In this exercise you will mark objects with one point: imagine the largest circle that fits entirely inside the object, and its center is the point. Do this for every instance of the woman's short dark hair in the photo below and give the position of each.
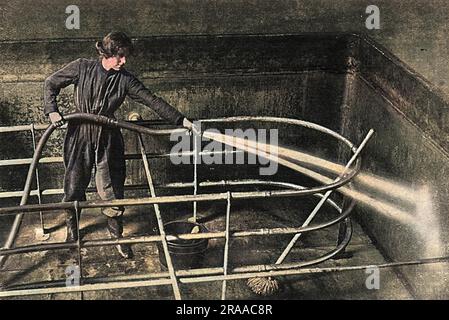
(115, 44)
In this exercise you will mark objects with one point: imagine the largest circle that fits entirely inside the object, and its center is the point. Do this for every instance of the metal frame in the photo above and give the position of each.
(171, 269)
(185, 276)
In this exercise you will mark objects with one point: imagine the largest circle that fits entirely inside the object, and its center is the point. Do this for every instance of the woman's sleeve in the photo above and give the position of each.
(58, 80)
(137, 91)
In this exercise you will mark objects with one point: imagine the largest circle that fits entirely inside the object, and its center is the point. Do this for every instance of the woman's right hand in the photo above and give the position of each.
(57, 119)
(186, 123)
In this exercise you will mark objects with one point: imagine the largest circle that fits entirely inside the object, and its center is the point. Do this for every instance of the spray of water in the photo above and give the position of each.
(427, 223)
(369, 181)
(422, 218)
(282, 154)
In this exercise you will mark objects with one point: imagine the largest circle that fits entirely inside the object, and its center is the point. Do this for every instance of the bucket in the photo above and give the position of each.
(185, 253)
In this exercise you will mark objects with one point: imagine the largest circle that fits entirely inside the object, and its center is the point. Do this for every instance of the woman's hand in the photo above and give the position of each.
(57, 119)
(191, 126)
(186, 123)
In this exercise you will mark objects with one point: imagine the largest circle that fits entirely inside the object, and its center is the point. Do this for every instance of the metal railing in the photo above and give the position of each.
(176, 276)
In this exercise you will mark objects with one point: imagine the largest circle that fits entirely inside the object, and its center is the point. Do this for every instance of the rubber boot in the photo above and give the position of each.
(115, 228)
(72, 226)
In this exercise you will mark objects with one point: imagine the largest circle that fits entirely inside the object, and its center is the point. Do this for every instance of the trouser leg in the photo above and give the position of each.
(115, 228)
(78, 162)
(72, 225)
(110, 179)
(110, 170)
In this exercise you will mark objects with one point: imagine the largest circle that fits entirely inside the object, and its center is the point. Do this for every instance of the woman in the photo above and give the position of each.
(101, 86)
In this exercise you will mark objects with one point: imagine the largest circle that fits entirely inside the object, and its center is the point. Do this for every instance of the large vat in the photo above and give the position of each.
(345, 82)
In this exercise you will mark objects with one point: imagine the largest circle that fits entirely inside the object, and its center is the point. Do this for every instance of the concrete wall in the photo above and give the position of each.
(413, 183)
(416, 31)
(405, 166)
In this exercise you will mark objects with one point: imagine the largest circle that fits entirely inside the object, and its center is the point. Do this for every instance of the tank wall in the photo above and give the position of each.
(415, 31)
(405, 165)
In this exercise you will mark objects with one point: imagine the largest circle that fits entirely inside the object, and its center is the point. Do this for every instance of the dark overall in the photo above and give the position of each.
(88, 146)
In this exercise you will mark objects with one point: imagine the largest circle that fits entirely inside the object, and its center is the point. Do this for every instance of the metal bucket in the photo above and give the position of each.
(185, 254)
